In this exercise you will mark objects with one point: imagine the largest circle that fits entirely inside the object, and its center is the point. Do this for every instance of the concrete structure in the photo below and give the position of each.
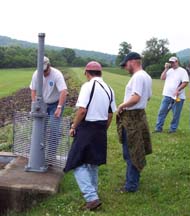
(19, 189)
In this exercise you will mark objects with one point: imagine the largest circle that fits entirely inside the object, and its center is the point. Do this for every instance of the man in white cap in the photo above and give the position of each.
(54, 95)
(96, 105)
(176, 79)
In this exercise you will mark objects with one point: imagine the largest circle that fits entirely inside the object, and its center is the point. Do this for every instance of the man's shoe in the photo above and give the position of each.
(92, 205)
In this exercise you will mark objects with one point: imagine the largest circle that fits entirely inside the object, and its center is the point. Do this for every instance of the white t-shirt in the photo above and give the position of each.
(52, 85)
(141, 84)
(98, 108)
(174, 77)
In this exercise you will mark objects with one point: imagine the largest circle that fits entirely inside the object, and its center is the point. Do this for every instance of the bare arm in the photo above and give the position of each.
(134, 99)
(62, 99)
(179, 88)
(110, 115)
(33, 95)
(163, 74)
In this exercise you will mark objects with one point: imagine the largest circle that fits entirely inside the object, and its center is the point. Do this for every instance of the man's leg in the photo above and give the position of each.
(84, 181)
(55, 131)
(176, 109)
(132, 174)
(93, 169)
(163, 111)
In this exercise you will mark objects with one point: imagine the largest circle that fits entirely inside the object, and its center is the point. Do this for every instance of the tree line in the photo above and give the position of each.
(154, 55)
(18, 57)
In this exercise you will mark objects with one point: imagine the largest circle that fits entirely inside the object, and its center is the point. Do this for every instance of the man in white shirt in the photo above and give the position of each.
(176, 79)
(54, 93)
(132, 125)
(96, 104)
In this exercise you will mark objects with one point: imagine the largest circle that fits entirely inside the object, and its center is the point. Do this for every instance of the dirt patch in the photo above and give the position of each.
(21, 101)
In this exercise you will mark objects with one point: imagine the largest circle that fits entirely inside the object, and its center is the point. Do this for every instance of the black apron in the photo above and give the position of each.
(90, 142)
(89, 145)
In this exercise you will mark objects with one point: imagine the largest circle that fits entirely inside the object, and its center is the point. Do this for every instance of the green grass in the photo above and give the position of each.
(13, 79)
(165, 181)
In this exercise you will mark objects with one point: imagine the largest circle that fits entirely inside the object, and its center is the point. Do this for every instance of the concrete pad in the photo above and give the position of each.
(20, 190)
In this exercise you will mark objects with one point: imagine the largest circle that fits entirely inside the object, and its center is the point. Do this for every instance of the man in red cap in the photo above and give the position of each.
(96, 105)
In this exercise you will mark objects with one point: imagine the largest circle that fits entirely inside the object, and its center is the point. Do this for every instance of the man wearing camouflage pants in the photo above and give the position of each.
(132, 125)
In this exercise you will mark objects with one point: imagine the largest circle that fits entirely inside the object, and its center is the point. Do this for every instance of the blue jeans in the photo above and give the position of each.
(132, 174)
(54, 132)
(86, 176)
(168, 104)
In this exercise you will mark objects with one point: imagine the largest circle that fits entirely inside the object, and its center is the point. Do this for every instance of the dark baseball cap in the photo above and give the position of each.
(130, 56)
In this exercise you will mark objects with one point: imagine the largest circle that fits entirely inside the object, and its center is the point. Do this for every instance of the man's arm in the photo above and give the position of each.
(33, 95)
(81, 112)
(134, 99)
(179, 88)
(62, 99)
(163, 74)
(110, 115)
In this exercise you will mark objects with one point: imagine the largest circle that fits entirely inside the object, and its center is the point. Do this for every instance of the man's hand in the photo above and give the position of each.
(72, 132)
(167, 65)
(120, 109)
(176, 94)
(57, 113)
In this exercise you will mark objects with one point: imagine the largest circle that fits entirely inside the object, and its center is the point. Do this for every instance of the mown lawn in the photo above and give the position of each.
(165, 181)
(13, 79)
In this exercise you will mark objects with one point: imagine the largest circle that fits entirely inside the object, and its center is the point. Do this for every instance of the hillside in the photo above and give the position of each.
(184, 55)
(7, 41)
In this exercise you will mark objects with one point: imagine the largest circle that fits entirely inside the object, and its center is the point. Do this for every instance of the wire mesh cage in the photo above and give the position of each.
(56, 138)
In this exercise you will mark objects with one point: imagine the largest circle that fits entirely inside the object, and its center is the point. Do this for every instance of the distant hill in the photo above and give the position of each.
(7, 41)
(184, 55)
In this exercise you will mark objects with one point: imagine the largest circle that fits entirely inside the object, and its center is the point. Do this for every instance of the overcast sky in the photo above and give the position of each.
(99, 25)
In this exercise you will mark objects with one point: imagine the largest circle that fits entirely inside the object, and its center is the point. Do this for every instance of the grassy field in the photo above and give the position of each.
(13, 79)
(165, 181)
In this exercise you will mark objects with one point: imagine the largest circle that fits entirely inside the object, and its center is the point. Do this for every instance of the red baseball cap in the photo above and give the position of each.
(93, 66)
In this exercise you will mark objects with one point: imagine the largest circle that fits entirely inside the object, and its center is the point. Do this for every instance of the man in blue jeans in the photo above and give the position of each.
(132, 125)
(54, 96)
(132, 173)
(176, 79)
(96, 105)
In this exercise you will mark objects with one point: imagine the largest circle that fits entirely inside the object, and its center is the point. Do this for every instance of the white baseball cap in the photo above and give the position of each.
(173, 59)
(46, 62)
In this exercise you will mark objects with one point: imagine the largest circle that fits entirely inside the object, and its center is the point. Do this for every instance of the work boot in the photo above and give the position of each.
(92, 205)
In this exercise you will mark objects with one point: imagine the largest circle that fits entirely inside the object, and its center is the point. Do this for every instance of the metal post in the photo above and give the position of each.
(36, 161)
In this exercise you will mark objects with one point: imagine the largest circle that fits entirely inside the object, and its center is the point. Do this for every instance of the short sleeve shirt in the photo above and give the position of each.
(53, 84)
(174, 78)
(140, 84)
(99, 105)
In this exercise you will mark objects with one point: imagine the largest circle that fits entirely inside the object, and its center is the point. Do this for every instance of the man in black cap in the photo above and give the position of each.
(132, 125)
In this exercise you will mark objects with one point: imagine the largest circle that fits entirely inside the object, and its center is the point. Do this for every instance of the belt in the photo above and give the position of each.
(56, 102)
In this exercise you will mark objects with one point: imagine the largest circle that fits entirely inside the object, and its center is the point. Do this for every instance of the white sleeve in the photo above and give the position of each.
(137, 86)
(113, 104)
(84, 96)
(33, 84)
(185, 77)
(60, 82)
